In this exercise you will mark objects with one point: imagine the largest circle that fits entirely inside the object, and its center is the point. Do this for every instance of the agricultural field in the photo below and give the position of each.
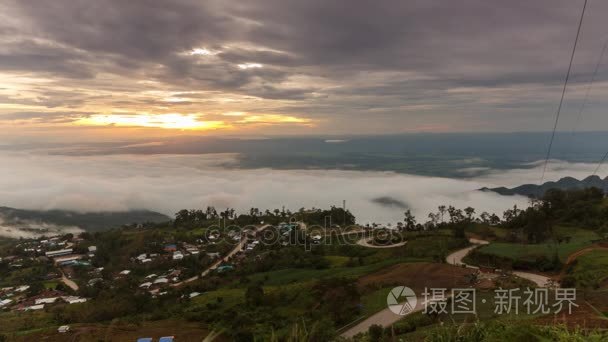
(591, 269)
(579, 238)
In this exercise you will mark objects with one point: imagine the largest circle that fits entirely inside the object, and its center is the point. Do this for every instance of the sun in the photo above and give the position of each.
(168, 121)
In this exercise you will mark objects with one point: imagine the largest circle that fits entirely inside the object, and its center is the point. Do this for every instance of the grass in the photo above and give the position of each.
(229, 297)
(580, 238)
(337, 260)
(294, 275)
(21, 322)
(375, 301)
(591, 268)
(50, 285)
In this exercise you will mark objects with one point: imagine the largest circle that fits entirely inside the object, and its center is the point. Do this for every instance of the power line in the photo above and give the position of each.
(600, 163)
(597, 67)
(561, 101)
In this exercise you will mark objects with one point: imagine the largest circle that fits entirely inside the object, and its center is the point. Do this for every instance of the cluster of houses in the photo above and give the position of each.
(15, 298)
(172, 251)
(155, 283)
(67, 253)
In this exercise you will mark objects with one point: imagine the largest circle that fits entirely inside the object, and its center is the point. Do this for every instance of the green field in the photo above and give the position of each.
(580, 238)
(337, 260)
(375, 301)
(591, 269)
(294, 275)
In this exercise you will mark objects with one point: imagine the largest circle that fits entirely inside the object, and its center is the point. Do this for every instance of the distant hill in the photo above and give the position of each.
(91, 221)
(566, 183)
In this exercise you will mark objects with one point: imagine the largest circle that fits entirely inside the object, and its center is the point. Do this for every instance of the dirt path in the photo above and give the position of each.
(572, 257)
(68, 282)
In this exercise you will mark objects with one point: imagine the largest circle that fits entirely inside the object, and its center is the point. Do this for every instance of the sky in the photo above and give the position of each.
(103, 70)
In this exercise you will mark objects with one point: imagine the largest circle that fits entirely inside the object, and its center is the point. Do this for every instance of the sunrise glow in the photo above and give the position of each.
(169, 121)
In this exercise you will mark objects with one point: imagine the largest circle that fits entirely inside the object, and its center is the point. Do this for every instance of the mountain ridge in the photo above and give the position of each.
(89, 221)
(565, 183)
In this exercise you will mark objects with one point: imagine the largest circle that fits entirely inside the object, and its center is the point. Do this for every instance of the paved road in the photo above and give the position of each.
(365, 242)
(383, 318)
(456, 259)
(215, 265)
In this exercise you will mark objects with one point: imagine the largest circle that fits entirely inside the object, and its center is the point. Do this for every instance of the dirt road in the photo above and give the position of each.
(68, 282)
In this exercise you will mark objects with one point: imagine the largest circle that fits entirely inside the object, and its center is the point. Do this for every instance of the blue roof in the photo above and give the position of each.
(144, 339)
(166, 339)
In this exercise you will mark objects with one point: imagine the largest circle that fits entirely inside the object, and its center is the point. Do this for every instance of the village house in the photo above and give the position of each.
(60, 252)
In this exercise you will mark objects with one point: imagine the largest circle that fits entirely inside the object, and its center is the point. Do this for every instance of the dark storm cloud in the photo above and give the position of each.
(347, 56)
(145, 30)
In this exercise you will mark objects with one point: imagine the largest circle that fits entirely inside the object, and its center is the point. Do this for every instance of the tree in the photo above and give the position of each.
(455, 214)
(485, 217)
(255, 294)
(511, 214)
(339, 297)
(375, 332)
(442, 210)
(181, 217)
(409, 220)
(469, 211)
(211, 213)
(434, 218)
(494, 219)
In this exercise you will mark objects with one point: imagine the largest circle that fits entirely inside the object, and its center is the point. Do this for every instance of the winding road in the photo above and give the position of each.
(456, 259)
(366, 242)
(386, 317)
(383, 318)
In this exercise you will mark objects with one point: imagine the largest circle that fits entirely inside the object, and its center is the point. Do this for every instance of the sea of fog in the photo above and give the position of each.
(170, 182)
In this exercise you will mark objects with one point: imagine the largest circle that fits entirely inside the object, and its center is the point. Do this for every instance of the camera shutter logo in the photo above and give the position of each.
(401, 300)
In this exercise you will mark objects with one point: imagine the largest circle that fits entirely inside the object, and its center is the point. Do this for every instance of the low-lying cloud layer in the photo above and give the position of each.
(31, 229)
(167, 183)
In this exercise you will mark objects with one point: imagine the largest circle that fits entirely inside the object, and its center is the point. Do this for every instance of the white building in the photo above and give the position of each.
(50, 300)
(161, 281)
(177, 255)
(34, 307)
(74, 299)
(60, 252)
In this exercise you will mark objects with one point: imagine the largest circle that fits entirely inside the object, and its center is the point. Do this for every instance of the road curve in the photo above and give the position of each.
(456, 259)
(365, 242)
(383, 318)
